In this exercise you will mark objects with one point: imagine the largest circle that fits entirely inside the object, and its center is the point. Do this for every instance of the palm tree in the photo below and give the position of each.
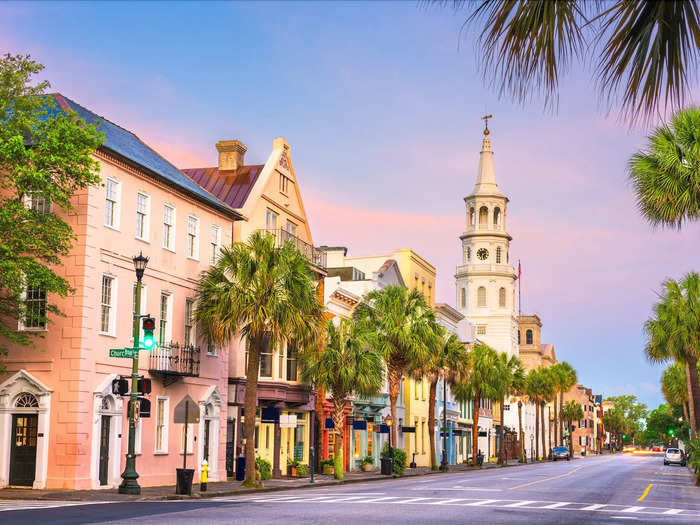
(566, 378)
(571, 411)
(666, 175)
(345, 365)
(518, 389)
(548, 381)
(672, 333)
(447, 360)
(265, 294)
(485, 378)
(532, 390)
(510, 366)
(401, 325)
(644, 52)
(674, 387)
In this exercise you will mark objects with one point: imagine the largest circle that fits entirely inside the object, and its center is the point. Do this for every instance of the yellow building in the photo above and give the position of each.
(417, 439)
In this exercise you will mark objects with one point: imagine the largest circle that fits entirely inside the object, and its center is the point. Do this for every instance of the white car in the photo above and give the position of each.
(674, 455)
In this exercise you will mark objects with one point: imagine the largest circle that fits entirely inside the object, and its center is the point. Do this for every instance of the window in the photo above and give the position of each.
(471, 217)
(37, 203)
(481, 296)
(291, 361)
(164, 327)
(266, 354)
(270, 220)
(528, 337)
(107, 305)
(481, 329)
(498, 255)
(193, 237)
(214, 244)
(189, 322)
(502, 297)
(284, 183)
(35, 308)
(162, 425)
(169, 227)
(143, 209)
(112, 200)
(291, 228)
(357, 275)
(463, 297)
(497, 218)
(137, 445)
(469, 253)
(483, 217)
(518, 336)
(415, 387)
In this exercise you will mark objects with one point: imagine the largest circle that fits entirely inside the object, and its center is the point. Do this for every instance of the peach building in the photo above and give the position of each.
(269, 196)
(60, 424)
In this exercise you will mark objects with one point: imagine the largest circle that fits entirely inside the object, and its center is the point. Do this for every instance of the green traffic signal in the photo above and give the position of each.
(149, 325)
(624, 436)
(671, 431)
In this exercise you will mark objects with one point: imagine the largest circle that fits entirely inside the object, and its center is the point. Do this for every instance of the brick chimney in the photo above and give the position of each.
(231, 154)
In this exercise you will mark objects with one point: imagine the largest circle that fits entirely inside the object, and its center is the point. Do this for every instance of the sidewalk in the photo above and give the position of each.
(227, 488)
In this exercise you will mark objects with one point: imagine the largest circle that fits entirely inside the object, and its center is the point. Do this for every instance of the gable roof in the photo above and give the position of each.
(231, 186)
(133, 151)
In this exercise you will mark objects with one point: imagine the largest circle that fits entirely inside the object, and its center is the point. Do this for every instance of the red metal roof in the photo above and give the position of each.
(229, 186)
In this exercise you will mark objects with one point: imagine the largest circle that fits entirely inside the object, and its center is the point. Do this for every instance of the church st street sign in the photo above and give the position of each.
(123, 352)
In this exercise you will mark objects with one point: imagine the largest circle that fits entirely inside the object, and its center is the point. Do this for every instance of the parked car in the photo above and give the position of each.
(560, 453)
(674, 455)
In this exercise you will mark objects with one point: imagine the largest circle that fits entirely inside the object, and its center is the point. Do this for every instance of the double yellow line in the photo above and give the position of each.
(646, 491)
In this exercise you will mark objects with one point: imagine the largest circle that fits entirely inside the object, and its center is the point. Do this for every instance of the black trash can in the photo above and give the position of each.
(387, 467)
(240, 468)
(184, 481)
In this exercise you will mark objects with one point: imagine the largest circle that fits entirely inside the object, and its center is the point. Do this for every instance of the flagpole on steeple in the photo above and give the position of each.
(520, 289)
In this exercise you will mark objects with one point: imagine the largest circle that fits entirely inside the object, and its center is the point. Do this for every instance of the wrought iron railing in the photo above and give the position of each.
(175, 359)
(316, 256)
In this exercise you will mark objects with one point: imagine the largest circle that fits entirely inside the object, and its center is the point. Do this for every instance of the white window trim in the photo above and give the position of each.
(20, 322)
(165, 427)
(118, 205)
(195, 255)
(173, 227)
(147, 222)
(113, 309)
(169, 320)
(139, 432)
(215, 228)
(28, 201)
(190, 440)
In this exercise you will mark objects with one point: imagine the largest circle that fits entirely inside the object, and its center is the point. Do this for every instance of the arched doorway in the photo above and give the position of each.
(106, 436)
(210, 414)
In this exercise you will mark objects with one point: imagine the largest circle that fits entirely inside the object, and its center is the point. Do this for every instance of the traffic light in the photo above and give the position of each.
(120, 386)
(624, 436)
(143, 385)
(671, 431)
(144, 407)
(148, 325)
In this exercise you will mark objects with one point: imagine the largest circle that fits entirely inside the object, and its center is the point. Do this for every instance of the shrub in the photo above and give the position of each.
(368, 460)
(399, 463)
(302, 470)
(294, 463)
(263, 466)
(327, 462)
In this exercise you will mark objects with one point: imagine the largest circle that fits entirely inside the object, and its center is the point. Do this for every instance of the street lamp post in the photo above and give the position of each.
(443, 462)
(129, 484)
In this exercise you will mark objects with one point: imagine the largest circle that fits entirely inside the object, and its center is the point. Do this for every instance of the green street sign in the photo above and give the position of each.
(123, 352)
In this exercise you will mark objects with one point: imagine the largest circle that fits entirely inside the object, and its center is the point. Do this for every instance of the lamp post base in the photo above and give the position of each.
(129, 485)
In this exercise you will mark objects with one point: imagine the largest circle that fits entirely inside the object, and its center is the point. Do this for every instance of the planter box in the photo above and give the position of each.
(367, 467)
(329, 470)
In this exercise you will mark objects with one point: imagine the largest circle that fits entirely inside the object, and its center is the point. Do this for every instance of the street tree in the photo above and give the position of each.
(346, 365)
(643, 53)
(548, 385)
(46, 158)
(675, 387)
(615, 422)
(673, 333)
(662, 424)
(448, 360)
(519, 390)
(485, 378)
(266, 295)
(666, 174)
(401, 325)
(569, 413)
(510, 367)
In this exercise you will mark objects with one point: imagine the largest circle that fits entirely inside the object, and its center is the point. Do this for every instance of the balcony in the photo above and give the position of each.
(316, 256)
(173, 361)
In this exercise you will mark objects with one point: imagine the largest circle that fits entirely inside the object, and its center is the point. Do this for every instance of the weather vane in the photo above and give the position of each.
(486, 118)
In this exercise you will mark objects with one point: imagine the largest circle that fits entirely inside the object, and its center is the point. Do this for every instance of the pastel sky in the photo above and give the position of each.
(381, 103)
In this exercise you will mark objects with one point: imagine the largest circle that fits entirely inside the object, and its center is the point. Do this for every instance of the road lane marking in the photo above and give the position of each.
(372, 500)
(409, 500)
(673, 511)
(446, 501)
(555, 505)
(457, 488)
(522, 485)
(520, 503)
(632, 509)
(646, 491)
(482, 502)
(593, 507)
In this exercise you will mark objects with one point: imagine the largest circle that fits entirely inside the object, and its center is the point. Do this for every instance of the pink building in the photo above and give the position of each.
(60, 424)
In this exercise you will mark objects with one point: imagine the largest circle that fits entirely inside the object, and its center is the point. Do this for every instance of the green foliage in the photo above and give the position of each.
(327, 462)
(400, 457)
(643, 53)
(674, 384)
(292, 462)
(692, 447)
(263, 466)
(666, 175)
(571, 412)
(485, 380)
(302, 470)
(48, 155)
(632, 411)
(368, 460)
(661, 422)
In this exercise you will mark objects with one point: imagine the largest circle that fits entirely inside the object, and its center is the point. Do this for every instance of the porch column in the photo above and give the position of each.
(276, 473)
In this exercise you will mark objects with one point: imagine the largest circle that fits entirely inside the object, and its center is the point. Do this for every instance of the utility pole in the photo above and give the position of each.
(129, 484)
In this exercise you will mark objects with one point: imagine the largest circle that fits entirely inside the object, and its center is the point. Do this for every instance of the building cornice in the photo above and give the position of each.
(488, 233)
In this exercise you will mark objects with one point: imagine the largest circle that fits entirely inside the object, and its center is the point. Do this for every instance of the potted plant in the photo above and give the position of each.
(367, 463)
(292, 466)
(302, 470)
(328, 467)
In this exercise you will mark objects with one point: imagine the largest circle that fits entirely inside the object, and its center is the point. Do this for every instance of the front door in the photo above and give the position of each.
(104, 449)
(206, 439)
(23, 451)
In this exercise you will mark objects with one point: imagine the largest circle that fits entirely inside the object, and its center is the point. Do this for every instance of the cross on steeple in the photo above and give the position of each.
(486, 118)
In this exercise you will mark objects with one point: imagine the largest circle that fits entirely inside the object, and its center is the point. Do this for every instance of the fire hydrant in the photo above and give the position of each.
(203, 478)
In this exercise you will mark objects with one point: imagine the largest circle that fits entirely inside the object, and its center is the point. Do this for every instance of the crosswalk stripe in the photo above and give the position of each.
(482, 502)
(409, 500)
(519, 503)
(372, 500)
(632, 509)
(556, 505)
(673, 511)
(593, 507)
(446, 501)
(343, 498)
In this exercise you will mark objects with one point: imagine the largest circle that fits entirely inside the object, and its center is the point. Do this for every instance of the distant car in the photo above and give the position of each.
(674, 455)
(629, 448)
(560, 453)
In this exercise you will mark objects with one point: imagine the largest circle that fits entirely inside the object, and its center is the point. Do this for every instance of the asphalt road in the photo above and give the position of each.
(604, 489)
